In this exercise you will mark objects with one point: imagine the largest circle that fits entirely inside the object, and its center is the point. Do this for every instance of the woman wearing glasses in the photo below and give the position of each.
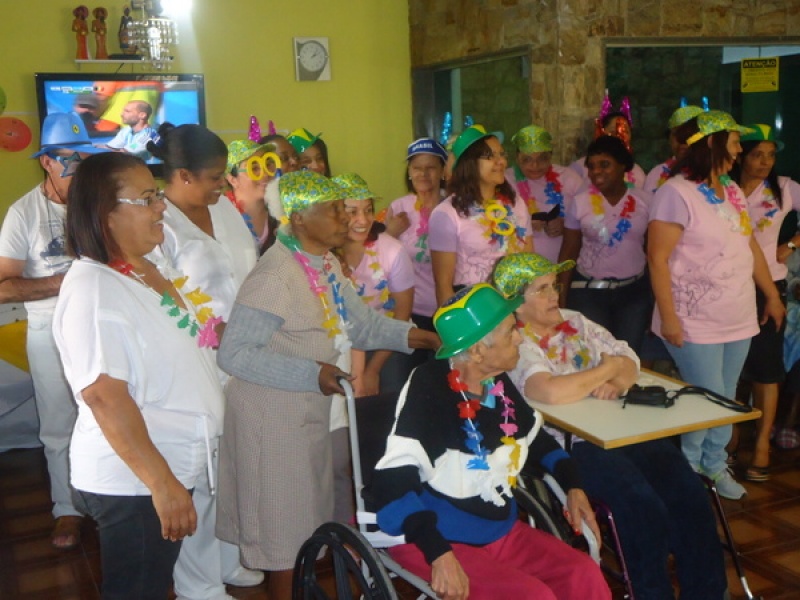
(661, 506)
(137, 358)
(481, 221)
(207, 241)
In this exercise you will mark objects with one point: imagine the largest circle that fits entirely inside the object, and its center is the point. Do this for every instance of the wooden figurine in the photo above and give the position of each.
(100, 30)
(81, 29)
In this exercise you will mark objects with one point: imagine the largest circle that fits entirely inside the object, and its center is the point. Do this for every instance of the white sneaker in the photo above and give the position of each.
(728, 487)
(244, 577)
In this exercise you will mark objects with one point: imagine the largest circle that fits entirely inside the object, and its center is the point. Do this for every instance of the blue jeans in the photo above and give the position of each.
(660, 507)
(137, 562)
(624, 311)
(716, 367)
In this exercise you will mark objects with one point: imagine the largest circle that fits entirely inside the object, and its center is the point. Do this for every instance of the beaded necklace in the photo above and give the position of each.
(423, 255)
(666, 169)
(742, 224)
(379, 282)
(202, 325)
(500, 225)
(564, 347)
(335, 324)
(769, 205)
(624, 223)
(468, 410)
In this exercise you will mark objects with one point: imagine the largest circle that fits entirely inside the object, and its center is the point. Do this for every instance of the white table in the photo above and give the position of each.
(606, 424)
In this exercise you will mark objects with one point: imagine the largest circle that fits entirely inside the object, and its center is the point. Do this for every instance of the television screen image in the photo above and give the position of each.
(123, 111)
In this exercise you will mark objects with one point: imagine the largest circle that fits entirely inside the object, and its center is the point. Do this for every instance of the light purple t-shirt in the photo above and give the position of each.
(606, 252)
(476, 251)
(534, 193)
(415, 242)
(658, 176)
(395, 271)
(767, 217)
(635, 176)
(711, 267)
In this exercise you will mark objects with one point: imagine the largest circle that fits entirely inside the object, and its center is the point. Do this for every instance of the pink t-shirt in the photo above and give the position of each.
(767, 217)
(658, 175)
(415, 242)
(711, 267)
(540, 196)
(384, 265)
(469, 237)
(636, 174)
(607, 249)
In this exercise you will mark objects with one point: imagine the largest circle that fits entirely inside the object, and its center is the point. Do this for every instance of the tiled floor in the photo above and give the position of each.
(766, 525)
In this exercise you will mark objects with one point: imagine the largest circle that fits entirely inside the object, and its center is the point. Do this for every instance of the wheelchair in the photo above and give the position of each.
(362, 566)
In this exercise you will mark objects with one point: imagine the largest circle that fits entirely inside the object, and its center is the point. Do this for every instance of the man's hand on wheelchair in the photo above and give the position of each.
(579, 509)
(448, 579)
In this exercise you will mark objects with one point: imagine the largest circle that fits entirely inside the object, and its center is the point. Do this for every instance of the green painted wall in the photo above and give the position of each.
(244, 49)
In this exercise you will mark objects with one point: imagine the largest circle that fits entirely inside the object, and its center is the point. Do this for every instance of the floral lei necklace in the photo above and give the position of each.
(564, 347)
(624, 223)
(500, 225)
(380, 283)
(468, 410)
(630, 180)
(202, 325)
(248, 220)
(769, 205)
(423, 256)
(552, 191)
(732, 192)
(666, 169)
(335, 324)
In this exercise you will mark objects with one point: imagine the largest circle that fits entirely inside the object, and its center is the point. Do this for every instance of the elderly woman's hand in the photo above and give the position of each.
(329, 379)
(448, 578)
(175, 510)
(578, 510)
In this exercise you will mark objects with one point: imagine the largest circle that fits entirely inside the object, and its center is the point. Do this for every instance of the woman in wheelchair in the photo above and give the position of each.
(461, 436)
(661, 505)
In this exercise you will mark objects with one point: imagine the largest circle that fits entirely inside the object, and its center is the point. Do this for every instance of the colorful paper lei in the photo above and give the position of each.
(500, 225)
(769, 205)
(423, 255)
(666, 169)
(335, 324)
(379, 281)
(732, 193)
(202, 325)
(468, 410)
(552, 191)
(564, 347)
(623, 225)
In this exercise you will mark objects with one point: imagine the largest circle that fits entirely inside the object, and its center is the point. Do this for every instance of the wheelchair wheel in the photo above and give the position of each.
(357, 569)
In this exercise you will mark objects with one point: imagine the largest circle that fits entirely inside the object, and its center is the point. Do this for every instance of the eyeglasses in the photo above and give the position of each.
(157, 197)
(494, 155)
(541, 292)
(70, 163)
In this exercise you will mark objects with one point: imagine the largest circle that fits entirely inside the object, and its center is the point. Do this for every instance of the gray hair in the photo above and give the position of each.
(463, 356)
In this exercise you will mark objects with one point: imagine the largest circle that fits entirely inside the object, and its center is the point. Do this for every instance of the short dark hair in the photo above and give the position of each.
(614, 147)
(613, 115)
(191, 147)
(700, 159)
(465, 180)
(91, 198)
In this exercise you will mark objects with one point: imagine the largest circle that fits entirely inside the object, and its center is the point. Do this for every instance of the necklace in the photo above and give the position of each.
(564, 347)
(248, 220)
(468, 410)
(335, 324)
(500, 225)
(630, 180)
(423, 255)
(769, 205)
(742, 224)
(379, 282)
(202, 325)
(552, 191)
(623, 225)
(666, 169)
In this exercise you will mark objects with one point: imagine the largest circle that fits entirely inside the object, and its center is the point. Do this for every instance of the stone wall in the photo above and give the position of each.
(567, 42)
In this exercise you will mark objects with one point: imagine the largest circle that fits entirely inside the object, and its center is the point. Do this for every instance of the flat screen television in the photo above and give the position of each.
(99, 99)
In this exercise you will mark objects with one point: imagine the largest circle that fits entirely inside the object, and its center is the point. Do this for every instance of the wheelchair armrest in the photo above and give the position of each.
(591, 539)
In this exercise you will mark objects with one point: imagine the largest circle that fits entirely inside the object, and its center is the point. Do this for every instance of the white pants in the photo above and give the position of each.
(56, 407)
(204, 560)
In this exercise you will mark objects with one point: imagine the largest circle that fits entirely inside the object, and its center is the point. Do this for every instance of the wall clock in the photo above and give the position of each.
(311, 59)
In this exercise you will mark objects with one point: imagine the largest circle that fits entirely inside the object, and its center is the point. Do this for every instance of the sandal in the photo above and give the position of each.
(67, 532)
(757, 474)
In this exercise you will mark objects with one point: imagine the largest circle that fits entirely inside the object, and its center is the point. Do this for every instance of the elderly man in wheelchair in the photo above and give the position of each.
(461, 436)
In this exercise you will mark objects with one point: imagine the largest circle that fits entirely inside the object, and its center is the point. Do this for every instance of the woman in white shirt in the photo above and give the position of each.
(137, 358)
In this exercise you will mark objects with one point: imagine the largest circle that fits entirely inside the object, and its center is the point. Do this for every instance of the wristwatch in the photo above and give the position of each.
(792, 246)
